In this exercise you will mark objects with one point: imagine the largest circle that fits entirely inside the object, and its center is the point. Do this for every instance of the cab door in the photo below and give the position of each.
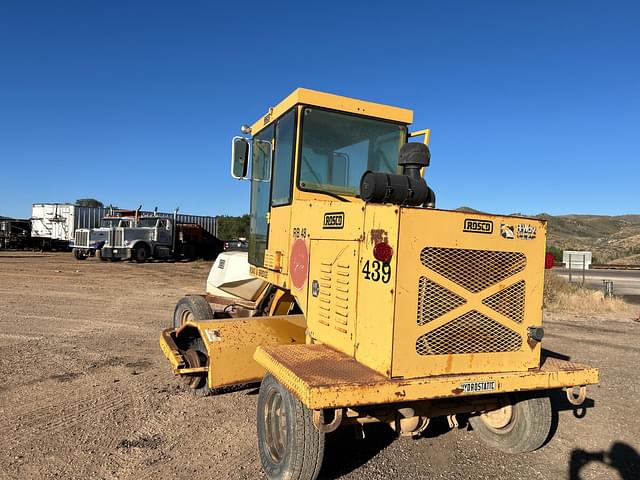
(163, 231)
(272, 158)
(277, 254)
(261, 160)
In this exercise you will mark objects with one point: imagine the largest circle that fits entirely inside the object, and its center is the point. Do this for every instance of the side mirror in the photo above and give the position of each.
(239, 157)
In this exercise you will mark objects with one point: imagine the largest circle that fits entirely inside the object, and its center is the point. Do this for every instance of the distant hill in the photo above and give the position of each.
(611, 239)
(468, 210)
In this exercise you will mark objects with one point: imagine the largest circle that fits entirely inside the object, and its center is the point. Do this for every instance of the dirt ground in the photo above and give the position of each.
(86, 393)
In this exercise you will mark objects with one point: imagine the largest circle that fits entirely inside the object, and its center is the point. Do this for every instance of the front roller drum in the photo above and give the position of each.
(289, 445)
(194, 359)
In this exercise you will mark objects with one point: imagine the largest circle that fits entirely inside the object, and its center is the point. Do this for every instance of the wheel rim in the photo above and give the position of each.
(185, 316)
(501, 419)
(275, 426)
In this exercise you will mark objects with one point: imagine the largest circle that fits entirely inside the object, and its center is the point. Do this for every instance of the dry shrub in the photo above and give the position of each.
(560, 295)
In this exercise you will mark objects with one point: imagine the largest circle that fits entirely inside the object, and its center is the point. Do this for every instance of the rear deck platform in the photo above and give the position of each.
(325, 378)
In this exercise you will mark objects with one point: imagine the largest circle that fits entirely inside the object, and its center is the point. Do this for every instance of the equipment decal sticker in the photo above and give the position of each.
(526, 232)
(212, 335)
(299, 263)
(473, 225)
(507, 231)
(482, 386)
(333, 220)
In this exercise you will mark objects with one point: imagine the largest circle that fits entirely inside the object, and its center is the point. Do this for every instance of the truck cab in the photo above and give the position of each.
(88, 242)
(158, 237)
(149, 237)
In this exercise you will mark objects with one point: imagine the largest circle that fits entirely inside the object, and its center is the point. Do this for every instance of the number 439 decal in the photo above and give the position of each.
(376, 271)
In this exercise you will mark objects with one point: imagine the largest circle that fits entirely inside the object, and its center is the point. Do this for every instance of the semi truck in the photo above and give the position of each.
(88, 242)
(159, 237)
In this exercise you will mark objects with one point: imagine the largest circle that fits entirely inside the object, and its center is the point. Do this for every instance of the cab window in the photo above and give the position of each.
(337, 148)
(283, 160)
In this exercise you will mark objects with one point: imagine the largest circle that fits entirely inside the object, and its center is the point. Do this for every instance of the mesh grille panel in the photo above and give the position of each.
(475, 270)
(472, 332)
(509, 302)
(435, 300)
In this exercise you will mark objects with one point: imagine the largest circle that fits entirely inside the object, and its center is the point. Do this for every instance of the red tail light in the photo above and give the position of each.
(383, 252)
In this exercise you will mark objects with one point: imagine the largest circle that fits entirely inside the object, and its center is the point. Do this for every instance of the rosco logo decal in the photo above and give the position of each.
(482, 386)
(333, 220)
(473, 225)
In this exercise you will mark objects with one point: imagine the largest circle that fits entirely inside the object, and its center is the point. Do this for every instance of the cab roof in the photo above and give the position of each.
(304, 96)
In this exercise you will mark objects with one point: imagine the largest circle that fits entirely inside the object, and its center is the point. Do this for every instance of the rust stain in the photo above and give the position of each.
(447, 368)
(378, 235)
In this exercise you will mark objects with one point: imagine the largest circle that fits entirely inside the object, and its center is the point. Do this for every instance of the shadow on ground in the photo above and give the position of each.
(344, 452)
(620, 456)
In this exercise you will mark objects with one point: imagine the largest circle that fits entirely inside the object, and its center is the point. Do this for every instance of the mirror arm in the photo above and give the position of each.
(426, 132)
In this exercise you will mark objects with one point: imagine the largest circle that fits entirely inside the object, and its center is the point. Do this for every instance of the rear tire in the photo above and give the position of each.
(141, 253)
(525, 429)
(78, 255)
(290, 447)
(191, 308)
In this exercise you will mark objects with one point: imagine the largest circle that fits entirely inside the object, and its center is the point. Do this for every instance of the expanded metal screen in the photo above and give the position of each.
(475, 270)
(434, 301)
(509, 302)
(470, 331)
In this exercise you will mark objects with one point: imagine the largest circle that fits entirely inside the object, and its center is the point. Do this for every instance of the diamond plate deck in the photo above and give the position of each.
(324, 378)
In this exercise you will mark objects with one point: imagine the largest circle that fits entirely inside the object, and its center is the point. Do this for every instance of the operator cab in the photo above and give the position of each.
(315, 146)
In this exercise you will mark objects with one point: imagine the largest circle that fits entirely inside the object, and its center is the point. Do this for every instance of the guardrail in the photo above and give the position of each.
(602, 266)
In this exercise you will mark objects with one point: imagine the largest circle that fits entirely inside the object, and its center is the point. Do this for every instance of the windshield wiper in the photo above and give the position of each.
(335, 195)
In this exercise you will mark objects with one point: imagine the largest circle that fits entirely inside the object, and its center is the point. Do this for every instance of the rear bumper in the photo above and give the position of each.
(324, 378)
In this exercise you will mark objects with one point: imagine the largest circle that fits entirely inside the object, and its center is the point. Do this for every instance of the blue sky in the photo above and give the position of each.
(534, 106)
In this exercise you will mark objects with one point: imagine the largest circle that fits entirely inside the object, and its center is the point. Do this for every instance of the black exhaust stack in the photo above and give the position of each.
(407, 189)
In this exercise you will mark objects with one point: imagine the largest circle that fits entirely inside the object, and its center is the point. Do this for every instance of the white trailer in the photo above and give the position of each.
(56, 223)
